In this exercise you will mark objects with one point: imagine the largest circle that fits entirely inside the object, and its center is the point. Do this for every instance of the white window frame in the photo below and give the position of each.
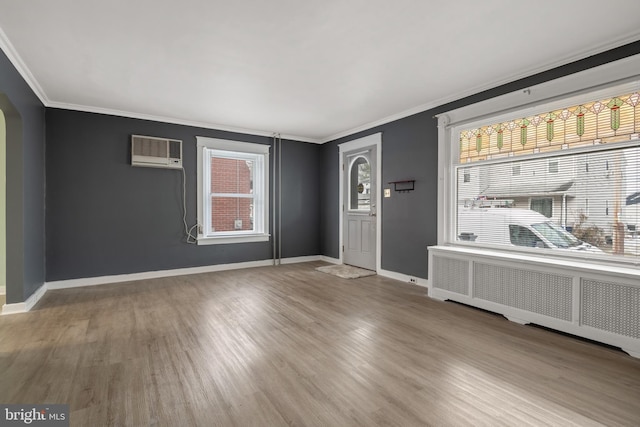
(606, 80)
(259, 154)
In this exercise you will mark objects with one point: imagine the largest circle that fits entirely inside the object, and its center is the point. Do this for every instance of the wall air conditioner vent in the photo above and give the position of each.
(155, 152)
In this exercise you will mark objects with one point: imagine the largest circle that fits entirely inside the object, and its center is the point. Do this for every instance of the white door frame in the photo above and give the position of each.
(374, 140)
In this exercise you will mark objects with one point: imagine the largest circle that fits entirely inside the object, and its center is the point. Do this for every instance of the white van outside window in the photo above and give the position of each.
(516, 227)
(573, 163)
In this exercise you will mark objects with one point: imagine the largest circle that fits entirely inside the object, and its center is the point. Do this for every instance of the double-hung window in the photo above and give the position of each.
(559, 178)
(233, 191)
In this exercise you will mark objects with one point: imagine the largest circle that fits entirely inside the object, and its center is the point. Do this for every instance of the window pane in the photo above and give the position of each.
(231, 214)
(610, 120)
(467, 175)
(231, 176)
(360, 185)
(233, 194)
(568, 206)
(543, 206)
(522, 236)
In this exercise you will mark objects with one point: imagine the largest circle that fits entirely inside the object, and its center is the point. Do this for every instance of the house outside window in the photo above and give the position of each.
(584, 157)
(233, 191)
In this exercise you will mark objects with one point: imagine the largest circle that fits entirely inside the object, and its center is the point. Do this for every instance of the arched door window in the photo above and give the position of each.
(360, 184)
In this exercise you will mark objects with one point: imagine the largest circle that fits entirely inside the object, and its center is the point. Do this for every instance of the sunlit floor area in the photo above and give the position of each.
(289, 345)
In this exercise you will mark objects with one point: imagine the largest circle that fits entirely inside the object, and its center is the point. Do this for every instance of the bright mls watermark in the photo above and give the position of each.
(34, 415)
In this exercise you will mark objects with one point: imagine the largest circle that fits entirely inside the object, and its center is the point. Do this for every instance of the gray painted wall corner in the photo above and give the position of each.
(25, 115)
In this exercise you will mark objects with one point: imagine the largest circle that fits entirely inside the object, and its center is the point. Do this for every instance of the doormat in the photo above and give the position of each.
(345, 271)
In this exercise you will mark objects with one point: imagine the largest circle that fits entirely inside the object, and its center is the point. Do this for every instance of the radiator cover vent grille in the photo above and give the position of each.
(543, 293)
(611, 307)
(451, 274)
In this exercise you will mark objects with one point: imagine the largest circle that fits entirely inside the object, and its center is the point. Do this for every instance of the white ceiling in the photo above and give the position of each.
(312, 70)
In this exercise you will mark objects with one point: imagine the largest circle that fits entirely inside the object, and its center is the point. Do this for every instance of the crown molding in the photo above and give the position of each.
(172, 120)
(25, 73)
(593, 50)
(23, 70)
(21, 67)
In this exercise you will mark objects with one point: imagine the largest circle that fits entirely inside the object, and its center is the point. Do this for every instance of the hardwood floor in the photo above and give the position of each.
(288, 345)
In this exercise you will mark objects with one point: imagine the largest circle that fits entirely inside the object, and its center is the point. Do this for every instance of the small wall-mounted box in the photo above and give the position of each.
(404, 185)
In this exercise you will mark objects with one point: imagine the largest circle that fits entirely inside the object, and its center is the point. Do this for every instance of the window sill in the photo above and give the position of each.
(221, 240)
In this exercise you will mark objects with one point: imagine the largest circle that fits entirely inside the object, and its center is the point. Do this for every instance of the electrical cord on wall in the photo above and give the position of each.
(191, 239)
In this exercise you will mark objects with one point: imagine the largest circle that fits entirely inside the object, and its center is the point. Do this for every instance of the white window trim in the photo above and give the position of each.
(238, 148)
(606, 80)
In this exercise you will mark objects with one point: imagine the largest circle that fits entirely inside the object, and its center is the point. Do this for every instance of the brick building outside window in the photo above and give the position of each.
(231, 176)
(233, 191)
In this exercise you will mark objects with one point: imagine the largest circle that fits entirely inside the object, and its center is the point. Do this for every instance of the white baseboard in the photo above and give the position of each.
(18, 307)
(23, 307)
(404, 278)
(330, 260)
(35, 297)
(296, 260)
(119, 278)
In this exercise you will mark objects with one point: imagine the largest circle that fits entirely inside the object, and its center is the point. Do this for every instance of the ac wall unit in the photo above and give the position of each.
(155, 152)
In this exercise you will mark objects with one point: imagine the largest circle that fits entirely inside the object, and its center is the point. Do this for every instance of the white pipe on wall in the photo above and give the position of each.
(277, 199)
(273, 228)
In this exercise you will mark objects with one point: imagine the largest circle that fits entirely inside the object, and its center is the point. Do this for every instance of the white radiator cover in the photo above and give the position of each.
(596, 302)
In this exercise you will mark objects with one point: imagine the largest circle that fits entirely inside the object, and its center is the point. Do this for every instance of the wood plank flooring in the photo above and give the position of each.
(288, 345)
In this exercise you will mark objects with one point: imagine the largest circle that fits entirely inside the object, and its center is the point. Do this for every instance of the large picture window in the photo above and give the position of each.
(558, 179)
(233, 191)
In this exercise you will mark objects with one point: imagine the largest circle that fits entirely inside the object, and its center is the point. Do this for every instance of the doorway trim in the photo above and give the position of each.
(373, 140)
(3, 205)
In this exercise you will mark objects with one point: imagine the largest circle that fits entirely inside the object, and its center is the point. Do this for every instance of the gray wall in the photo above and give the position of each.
(105, 217)
(25, 118)
(407, 153)
(300, 202)
(410, 150)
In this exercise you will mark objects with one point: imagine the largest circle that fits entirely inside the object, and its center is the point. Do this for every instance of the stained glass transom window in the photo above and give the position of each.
(604, 121)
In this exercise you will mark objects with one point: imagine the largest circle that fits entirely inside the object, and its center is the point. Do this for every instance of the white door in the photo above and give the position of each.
(359, 208)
